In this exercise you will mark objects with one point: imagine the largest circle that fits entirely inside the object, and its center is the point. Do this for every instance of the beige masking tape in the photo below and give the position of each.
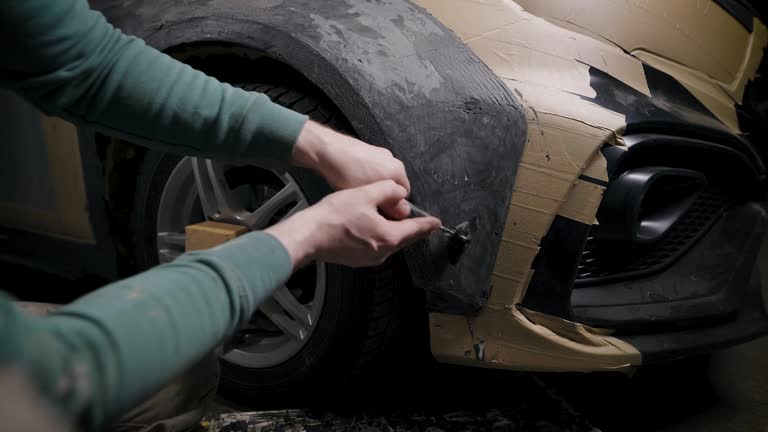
(583, 202)
(70, 220)
(547, 67)
(527, 345)
(680, 30)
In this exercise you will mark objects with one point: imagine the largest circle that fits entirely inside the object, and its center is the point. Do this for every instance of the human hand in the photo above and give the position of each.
(346, 228)
(346, 162)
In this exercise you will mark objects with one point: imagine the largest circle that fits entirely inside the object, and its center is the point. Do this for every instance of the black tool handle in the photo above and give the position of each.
(417, 212)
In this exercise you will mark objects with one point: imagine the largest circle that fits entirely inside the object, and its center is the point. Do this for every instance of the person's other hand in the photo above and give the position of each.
(346, 162)
(346, 228)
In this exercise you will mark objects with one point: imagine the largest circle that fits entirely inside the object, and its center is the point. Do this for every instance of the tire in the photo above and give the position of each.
(359, 316)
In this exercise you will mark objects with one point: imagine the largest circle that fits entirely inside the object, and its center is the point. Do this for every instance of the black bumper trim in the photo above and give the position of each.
(750, 321)
(706, 287)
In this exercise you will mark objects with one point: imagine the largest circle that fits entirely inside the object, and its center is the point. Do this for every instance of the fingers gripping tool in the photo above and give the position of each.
(458, 236)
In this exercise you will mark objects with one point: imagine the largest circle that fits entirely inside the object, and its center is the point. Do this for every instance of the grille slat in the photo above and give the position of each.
(603, 262)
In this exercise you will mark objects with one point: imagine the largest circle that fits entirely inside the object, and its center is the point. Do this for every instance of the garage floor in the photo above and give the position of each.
(725, 392)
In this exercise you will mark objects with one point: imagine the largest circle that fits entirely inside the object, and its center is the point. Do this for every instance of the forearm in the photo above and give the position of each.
(68, 61)
(103, 353)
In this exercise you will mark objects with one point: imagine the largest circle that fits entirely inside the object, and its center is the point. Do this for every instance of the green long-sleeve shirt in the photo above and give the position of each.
(106, 351)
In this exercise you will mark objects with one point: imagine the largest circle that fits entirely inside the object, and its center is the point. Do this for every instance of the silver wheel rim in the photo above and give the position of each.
(198, 189)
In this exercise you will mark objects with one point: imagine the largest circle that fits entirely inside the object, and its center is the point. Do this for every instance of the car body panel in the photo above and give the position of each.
(549, 56)
(45, 189)
(680, 31)
(676, 38)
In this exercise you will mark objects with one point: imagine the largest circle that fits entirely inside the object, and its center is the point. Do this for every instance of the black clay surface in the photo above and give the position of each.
(555, 267)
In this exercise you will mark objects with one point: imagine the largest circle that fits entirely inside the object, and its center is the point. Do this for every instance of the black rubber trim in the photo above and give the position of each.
(627, 261)
(740, 10)
(642, 204)
(672, 146)
(613, 156)
(593, 180)
(670, 110)
(704, 287)
(749, 322)
(726, 161)
(404, 82)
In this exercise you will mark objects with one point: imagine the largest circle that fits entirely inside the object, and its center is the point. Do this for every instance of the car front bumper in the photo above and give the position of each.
(713, 296)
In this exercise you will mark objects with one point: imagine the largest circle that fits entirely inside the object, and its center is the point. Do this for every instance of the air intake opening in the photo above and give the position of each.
(642, 204)
(665, 202)
(611, 261)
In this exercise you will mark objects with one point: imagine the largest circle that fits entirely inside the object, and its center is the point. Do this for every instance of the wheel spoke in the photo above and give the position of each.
(168, 255)
(197, 190)
(262, 216)
(274, 312)
(215, 195)
(301, 205)
(166, 240)
(296, 310)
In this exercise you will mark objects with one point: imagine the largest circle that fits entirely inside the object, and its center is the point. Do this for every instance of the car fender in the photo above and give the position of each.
(405, 82)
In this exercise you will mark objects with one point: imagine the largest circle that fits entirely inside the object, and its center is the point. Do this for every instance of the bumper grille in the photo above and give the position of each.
(603, 262)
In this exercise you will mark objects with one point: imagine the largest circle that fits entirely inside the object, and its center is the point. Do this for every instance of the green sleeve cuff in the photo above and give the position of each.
(270, 126)
(259, 261)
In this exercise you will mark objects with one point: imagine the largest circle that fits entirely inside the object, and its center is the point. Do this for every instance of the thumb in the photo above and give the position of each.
(398, 210)
(408, 230)
(385, 193)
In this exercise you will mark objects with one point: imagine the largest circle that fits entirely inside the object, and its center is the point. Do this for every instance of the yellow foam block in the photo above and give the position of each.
(205, 235)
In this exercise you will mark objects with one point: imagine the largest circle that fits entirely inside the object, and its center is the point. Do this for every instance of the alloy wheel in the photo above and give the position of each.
(201, 189)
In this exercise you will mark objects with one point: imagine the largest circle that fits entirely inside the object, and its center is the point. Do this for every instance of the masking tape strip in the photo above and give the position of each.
(566, 132)
(679, 30)
(583, 202)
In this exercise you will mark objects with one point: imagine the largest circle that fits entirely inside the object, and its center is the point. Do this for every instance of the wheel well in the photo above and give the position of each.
(236, 64)
(402, 320)
(121, 160)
